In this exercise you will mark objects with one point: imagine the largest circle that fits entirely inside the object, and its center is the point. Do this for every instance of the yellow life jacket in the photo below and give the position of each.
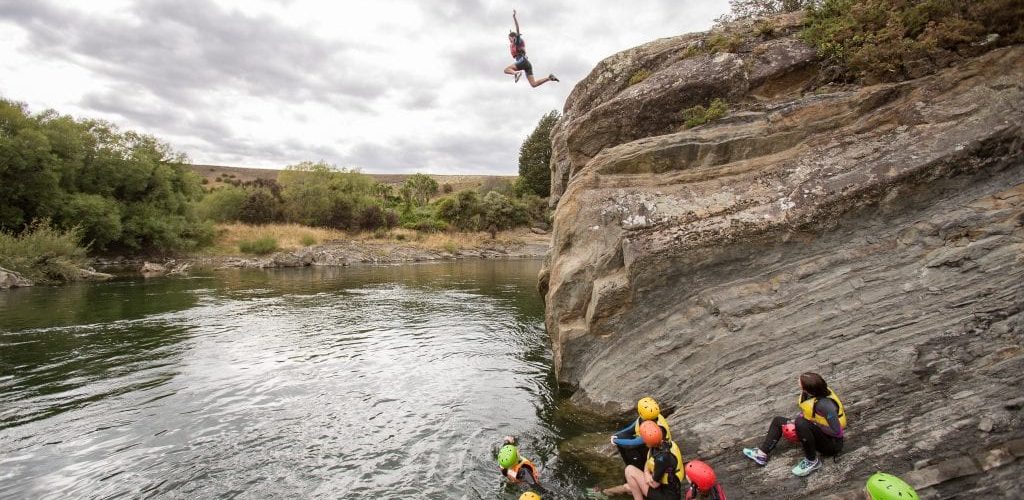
(527, 463)
(679, 473)
(661, 421)
(807, 408)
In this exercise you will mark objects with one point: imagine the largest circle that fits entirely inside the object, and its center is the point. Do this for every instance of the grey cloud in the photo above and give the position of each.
(178, 51)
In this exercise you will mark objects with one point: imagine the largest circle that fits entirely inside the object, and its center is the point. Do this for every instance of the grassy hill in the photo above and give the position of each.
(217, 175)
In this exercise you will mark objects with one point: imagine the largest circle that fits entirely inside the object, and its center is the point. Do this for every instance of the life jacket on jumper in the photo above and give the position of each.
(807, 409)
(517, 47)
(678, 472)
(529, 465)
(661, 423)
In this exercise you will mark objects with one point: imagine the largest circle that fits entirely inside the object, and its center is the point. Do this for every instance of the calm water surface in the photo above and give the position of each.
(364, 382)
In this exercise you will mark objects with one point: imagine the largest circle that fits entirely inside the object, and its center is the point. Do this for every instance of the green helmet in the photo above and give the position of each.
(882, 486)
(508, 456)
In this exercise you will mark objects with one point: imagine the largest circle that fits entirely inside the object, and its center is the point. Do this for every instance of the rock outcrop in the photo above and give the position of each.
(12, 279)
(872, 234)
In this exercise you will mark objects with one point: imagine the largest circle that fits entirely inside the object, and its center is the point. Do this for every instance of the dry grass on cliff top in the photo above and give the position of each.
(295, 236)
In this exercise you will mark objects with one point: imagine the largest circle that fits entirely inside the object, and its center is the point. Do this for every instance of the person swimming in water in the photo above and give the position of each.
(517, 47)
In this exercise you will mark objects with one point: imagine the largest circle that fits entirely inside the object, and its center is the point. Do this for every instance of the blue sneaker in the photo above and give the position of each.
(759, 457)
(805, 467)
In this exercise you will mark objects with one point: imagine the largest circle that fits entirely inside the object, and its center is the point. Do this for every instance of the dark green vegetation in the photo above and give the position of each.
(320, 195)
(699, 115)
(259, 246)
(71, 187)
(124, 191)
(892, 40)
(42, 253)
(535, 159)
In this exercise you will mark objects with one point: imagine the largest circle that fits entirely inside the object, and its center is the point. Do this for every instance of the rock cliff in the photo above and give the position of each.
(874, 234)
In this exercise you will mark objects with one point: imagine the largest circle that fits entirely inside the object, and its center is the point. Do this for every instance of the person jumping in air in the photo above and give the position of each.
(517, 46)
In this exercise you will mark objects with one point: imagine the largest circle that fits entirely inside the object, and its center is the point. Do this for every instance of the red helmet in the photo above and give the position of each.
(650, 432)
(789, 432)
(701, 475)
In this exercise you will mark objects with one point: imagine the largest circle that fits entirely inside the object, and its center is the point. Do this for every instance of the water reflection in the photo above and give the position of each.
(376, 382)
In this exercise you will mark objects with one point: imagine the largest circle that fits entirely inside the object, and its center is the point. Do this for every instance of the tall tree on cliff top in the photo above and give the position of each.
(534, 158)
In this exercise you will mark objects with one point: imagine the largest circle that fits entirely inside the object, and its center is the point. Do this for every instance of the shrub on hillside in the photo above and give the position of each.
(462, 210)
(639, 76)
(501, 212)
(699, 115)
(222, 204)
(97, 217)
(259, 207)
(318, 194)
(891, 40)
(371, 218)
(259, 246)
(43, 253)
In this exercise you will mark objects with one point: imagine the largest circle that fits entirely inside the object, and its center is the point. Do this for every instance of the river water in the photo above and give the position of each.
(361, 382)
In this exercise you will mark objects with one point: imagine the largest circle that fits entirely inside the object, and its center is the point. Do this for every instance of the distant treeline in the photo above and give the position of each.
(124, 192)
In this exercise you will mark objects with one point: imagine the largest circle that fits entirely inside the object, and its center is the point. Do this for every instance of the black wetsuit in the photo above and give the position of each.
(813, 437)
(665, 463)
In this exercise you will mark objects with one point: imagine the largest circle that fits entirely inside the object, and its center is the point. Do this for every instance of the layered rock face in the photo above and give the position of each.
(872, 234)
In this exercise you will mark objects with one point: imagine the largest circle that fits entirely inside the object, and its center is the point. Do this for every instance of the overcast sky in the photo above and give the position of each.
(384, 85)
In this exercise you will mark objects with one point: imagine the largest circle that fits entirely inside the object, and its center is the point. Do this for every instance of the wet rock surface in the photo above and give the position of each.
(872, 234)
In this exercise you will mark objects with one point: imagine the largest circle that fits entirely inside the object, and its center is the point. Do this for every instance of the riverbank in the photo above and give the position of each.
(391, 248)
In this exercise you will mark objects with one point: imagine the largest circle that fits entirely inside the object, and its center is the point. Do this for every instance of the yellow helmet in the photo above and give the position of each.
(529, 495)
(648, 408)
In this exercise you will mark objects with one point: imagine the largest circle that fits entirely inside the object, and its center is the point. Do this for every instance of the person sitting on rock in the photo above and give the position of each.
(662, 474)
(882, 486)
(628, 441)
(820, 426)
(703, 483)
(517, 46)
(515, 468)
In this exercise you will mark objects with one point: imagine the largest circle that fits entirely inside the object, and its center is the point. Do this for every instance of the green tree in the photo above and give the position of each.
(222, 204)
(318, 194)
(259, 207)
(127, 191)
(535, 158)
(421, 187)
(98, 217)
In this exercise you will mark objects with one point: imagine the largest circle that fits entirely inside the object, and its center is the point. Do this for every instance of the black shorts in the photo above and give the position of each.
(523, 64)
(665, 492)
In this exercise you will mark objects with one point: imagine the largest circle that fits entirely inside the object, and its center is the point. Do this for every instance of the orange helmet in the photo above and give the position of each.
(651, 433)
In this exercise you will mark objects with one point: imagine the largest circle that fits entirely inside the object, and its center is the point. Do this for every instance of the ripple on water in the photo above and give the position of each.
(354, 383)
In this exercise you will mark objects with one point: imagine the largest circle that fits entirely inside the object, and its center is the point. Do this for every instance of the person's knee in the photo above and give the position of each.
(779, 421)
(803, 429)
